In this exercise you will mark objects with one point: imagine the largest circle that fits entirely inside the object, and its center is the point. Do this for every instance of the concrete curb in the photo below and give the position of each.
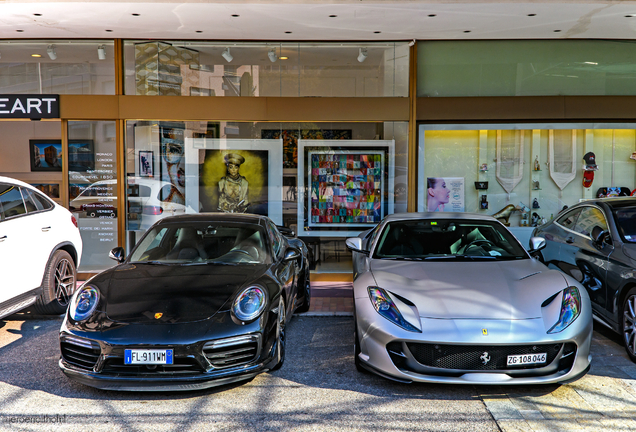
(325, 314)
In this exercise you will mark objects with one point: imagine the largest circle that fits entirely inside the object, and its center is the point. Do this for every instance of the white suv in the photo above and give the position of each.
(40, 250)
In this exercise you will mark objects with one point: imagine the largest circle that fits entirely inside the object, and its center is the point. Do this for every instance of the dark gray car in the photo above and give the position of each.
(595, 243)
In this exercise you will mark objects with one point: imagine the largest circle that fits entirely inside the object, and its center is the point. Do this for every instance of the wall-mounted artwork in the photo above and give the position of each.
(52, 190)
(146, 163)
(290, 140)
(46, 155)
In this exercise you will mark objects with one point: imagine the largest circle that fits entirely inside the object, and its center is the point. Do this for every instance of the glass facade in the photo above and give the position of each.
(266, 69)
(268, 168)
(536, 168)
(84, 67)
(526, 68)
(92, 164)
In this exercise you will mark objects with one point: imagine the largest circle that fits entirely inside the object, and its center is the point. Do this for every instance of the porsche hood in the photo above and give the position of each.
(471, 290)
(169, 294)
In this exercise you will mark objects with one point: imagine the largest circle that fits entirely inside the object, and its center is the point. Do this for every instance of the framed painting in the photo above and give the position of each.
(146, 163)
(46, 155)
(81, 155)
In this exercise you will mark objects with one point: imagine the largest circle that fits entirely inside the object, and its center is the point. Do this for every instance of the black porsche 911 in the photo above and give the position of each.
(202, 300)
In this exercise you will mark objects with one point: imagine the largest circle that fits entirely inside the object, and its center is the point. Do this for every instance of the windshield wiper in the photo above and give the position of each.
(209, 263)
(477, 257)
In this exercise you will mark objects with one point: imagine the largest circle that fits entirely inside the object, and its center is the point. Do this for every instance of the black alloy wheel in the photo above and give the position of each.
(629, 324)
(307, 294)
(280, 335)
(58, 285)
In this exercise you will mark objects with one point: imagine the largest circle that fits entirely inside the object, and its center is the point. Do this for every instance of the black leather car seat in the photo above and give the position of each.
(188, 246)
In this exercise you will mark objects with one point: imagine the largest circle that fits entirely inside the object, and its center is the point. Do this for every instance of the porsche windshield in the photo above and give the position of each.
(447, 239)
(203, 243)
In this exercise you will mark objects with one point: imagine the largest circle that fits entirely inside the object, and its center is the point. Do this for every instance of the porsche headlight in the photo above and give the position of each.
(387, 308)
(84, 303)
(250, 303)
(570, 309)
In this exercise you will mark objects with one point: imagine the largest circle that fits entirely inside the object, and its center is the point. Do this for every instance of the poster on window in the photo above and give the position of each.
(236, 176)
(172, 164)
(445, 194)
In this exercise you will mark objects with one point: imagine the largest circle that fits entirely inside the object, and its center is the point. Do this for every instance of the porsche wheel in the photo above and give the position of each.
(307, 294)
(280, 335)
(58, 285)
(629, 323)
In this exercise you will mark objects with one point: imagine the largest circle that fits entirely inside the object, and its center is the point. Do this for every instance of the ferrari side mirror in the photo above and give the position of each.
(536, 244)
(355, 244)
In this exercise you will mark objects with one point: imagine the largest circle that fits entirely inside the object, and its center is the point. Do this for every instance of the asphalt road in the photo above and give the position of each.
(317, 389)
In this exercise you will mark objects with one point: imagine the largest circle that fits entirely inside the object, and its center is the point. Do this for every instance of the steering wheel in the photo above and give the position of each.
(477, 243)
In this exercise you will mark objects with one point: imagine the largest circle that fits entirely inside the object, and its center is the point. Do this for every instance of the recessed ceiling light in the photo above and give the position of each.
(109, 30)
(235, 16)
(377, 32)
(288, 32)
(36, 55)
(532, 14)
(199, 31)
(432, 15)
(19, 31)
(333, 16)
(283, 58)
(135, 14)
(37, 14)
(629, 16)
(556, 31)
(466, 31)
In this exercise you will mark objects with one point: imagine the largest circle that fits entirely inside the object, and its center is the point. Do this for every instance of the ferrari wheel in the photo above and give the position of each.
(58, 285)
(629, 323)
(280, 335)
(356, 348)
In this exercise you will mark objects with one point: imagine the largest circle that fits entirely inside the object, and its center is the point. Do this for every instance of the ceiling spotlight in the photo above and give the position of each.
(51, 52)
(362, 56)
(101, 52)
(226, 55)
(272, 55)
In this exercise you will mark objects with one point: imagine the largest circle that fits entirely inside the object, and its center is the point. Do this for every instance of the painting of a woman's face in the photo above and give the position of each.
(232, 169)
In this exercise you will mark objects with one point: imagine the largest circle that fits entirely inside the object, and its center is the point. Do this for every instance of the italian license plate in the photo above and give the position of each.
(147, 357)
(527, 359)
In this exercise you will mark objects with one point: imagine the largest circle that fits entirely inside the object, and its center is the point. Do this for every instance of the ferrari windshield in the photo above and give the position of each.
(203, 243)
(626, 222)
(431, 239)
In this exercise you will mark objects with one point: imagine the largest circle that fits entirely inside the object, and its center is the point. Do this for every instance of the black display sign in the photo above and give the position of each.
(36, 106)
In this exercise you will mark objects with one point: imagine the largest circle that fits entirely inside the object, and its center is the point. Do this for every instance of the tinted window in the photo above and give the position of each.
(41, 202)
(276, 237)
(447, 239)
(626, 222)
(569, 219)
(11, 199)
(30, 204)
(588, 219)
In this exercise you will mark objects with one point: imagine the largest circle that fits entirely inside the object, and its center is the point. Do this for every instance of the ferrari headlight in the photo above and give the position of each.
(250, 303)
(84, 303)
(387, 308)
(570, 309)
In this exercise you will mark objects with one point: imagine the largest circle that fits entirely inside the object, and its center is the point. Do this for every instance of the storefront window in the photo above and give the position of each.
(93, 189)
(526, 68)
(57, 67)
(196, 68)
(525, 173)
(263, 168)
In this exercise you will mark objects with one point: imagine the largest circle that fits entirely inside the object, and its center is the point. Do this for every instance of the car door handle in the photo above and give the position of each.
(569, 240)
(45, 229)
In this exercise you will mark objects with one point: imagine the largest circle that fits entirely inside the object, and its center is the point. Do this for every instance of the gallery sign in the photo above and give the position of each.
(26, 106)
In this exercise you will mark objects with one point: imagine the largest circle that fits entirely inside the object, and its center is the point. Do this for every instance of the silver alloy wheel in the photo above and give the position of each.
(64, 282)
(629, 324)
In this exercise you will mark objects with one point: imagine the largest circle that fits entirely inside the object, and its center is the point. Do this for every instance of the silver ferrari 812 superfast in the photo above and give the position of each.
(455, 298)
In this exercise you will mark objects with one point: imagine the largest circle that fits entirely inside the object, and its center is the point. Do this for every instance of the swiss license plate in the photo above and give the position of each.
(147, 357)
(527, 359)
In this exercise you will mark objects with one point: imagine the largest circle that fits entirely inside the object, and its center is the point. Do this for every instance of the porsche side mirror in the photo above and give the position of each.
(117, 254)
(355, 244)
(291, 254)
(536, 244)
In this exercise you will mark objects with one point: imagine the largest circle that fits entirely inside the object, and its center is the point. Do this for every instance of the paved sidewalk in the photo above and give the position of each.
(331, 299)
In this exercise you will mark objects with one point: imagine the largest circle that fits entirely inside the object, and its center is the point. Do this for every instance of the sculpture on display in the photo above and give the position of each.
(503, 215)
(588, 169)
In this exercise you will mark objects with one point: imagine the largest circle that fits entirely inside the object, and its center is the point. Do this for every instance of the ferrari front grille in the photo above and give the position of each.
(80, 352)
(479, 357)
(230, 352)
